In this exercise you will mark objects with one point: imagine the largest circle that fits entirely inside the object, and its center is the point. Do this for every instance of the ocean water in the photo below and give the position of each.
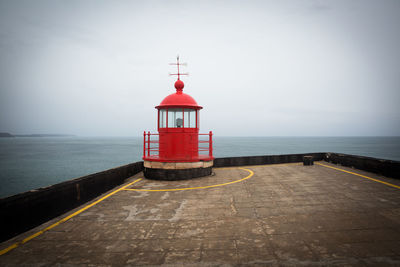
(31, 162)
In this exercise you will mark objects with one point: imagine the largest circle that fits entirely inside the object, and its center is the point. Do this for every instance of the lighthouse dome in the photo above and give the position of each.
(179, 99)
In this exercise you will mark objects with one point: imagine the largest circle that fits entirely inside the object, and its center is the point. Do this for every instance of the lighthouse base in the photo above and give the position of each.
(172, 171)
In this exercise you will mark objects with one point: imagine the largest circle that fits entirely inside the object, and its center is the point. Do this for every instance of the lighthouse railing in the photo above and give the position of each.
(150, 147)
(203, 147)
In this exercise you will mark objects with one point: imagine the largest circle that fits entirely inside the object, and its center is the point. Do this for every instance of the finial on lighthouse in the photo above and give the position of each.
(179, 84)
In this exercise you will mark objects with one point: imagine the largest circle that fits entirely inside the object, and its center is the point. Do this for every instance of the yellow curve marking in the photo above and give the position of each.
(193, 188)
(363, 176)
(17, 244)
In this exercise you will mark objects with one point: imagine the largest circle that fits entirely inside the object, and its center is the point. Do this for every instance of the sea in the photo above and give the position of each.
(28, 163)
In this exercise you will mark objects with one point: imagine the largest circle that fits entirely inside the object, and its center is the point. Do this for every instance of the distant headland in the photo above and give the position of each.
(6, 135)
(34, 135)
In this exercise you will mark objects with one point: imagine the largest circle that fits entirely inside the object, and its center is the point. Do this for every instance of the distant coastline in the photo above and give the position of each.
(6, 135)
(35, 135)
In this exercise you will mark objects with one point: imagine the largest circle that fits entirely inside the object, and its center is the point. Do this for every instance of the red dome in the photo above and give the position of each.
(179, 99)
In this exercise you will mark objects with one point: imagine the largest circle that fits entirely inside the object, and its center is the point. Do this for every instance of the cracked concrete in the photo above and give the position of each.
(285, 215)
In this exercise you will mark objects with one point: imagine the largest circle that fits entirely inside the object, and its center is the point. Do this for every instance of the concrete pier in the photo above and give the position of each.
(266, 215)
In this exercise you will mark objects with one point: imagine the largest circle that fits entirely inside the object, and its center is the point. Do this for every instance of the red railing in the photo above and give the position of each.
(152, 147)
(147, 145)
(208, 148)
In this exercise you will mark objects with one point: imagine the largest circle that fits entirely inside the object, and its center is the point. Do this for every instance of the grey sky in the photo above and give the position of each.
(269, 68)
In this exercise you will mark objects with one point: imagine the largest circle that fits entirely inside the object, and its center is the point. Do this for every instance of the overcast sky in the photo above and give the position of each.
(259, 68)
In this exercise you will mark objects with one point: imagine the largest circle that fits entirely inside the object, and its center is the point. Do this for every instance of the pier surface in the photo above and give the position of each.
(268, 215)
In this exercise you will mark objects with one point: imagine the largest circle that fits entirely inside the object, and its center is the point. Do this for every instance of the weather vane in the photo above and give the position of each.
(178, 64)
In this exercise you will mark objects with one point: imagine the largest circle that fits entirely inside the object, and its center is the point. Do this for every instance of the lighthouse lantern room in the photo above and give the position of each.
(178, 151)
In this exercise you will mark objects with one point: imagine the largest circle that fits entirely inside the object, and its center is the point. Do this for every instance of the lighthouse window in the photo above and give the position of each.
(190, 118)
(175, 118)
(163, 118)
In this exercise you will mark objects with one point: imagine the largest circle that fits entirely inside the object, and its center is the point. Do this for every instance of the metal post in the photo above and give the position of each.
(148, 144)
(158, 120)
(166, 123)
(144, 144)
(210, 145)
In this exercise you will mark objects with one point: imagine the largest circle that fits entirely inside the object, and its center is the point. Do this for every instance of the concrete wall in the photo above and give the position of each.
(389, 168)
(260, 160)
(25, 211)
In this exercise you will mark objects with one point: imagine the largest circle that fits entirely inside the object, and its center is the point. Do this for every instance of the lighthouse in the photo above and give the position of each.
(178, 151)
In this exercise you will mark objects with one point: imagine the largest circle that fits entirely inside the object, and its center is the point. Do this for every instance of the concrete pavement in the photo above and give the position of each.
(269, 215)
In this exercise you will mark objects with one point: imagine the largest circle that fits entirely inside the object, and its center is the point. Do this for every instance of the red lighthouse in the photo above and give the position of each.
(179, 152)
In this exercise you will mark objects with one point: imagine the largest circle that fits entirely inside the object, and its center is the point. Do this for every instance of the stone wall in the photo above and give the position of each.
(389, 168)
(24, 211)
(261, 160)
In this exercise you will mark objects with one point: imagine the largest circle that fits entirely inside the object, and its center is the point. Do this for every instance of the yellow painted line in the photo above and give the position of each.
(193, 188)
(363, 176)
(17, 244)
